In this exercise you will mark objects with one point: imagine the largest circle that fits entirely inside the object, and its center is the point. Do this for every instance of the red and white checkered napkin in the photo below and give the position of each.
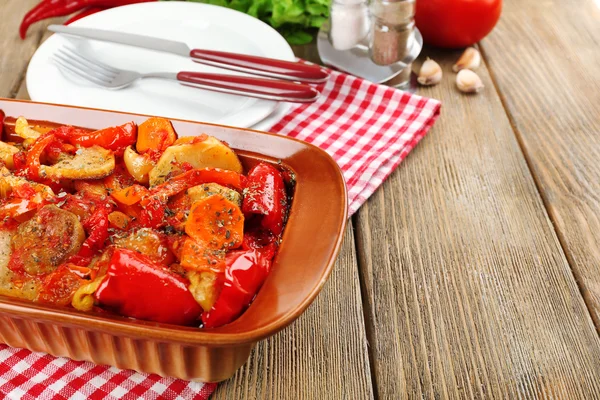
(29, 376)
(367, 128)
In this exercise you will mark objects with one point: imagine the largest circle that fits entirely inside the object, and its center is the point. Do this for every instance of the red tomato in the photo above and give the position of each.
(456, 23)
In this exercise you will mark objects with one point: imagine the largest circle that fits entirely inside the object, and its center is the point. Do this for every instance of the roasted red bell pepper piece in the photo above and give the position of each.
(138, 287)
(245, 273)
(33, 156)
(152, 214)
(265, 195)
(116, 138)
(20, 161)
(96, 226)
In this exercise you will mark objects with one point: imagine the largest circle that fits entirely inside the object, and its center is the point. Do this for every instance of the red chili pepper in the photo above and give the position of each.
(60, 8)
(115, 138)
(136, 286)
(84, 13)
(245, 273)
(265, 195)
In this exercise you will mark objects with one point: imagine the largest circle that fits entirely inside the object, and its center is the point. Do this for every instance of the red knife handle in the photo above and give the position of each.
(269, 67)
(253, 87)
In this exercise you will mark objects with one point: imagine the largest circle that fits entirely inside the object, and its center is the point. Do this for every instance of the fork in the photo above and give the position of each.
(109, 77)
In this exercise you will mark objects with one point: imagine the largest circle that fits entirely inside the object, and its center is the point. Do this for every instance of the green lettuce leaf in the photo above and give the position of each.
(296, 20)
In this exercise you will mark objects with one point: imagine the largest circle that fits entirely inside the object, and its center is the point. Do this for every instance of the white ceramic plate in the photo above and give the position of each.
(198, 25)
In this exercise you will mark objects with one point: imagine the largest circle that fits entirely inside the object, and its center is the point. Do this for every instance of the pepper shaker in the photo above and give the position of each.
(372, 39)
(391, 30)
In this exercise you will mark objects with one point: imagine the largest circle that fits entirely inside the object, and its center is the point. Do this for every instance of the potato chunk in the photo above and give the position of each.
(10, 284)
(203, 191)
(89, 163)
(208, 153)
(44, 242)
(149, 242)
(137, 165)
(8, 181)
(7, 152)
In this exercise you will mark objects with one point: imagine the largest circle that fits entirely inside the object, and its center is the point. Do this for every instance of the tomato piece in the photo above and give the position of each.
(59, 287)
(18, 208)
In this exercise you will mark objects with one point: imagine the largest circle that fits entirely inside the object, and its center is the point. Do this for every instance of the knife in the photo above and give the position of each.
(262, 66)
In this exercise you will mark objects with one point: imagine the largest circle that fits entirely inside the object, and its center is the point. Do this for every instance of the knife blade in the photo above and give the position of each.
(262, 66)
(129, 39)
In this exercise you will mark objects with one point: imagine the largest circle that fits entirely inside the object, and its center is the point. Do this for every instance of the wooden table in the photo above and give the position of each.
(474, 272)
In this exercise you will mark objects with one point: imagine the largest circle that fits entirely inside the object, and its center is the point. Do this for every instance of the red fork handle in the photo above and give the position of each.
(269, 67)
(253, 87)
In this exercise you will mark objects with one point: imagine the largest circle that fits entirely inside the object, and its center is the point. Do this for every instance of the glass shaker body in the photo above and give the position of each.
(391, 30)
(348, 22)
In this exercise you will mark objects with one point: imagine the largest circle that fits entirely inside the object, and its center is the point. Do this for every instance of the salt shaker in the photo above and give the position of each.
(391, 27)
(349, 23)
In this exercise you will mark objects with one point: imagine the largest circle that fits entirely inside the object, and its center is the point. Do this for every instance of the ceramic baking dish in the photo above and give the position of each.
(310, 245)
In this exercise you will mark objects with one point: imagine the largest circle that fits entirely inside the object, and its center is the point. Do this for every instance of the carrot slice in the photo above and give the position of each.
(130, 195)
(155, 134)
(200, 257)
(216, 222)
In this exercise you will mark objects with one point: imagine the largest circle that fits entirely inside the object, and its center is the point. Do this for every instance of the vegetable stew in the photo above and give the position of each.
(136, 221)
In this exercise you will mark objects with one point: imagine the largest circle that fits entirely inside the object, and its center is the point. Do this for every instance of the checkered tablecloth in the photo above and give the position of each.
(368, 129)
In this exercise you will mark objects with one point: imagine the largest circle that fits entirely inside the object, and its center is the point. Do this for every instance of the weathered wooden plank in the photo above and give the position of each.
(15, 53)
(323, 355)
(547, 69)
(467, 291)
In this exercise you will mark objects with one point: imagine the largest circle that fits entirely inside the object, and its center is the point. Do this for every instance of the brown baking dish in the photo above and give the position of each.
(310, 245)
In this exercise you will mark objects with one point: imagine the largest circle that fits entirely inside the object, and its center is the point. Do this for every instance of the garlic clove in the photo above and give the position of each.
(470, 59)
(430, 74)
(468, 81)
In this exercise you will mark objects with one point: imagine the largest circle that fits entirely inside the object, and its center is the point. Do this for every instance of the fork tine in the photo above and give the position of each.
(63, 64)
(92, 62)
(83, 68)
(84, 64)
